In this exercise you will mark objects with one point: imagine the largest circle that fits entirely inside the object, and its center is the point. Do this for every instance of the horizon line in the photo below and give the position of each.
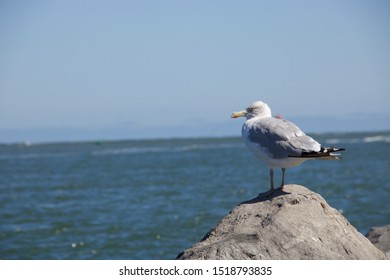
(100, 141)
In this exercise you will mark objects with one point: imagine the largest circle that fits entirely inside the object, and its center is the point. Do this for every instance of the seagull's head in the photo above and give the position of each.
(256, 109)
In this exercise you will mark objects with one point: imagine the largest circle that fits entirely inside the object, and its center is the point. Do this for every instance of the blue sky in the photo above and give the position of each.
(86, 70)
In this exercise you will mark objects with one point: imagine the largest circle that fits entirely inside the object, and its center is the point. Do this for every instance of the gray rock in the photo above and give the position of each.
(380, 237)
(295, 223)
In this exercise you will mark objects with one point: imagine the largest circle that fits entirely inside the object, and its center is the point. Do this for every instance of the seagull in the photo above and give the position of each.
(278, 142)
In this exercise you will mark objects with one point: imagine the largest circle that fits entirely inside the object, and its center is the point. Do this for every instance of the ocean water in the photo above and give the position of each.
(152, 199)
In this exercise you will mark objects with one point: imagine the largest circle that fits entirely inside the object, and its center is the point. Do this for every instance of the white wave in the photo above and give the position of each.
(367, 139)
(37, 155)
(342, 140)
(377, 138)
(209, 146)
(332, 141)
(186, 148)
(133, 150)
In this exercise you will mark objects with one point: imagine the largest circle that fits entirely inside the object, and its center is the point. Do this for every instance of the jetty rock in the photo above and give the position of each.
(291, 224)
(380, 237)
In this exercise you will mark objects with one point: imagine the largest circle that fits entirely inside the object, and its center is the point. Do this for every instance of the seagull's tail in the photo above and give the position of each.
(324, 153)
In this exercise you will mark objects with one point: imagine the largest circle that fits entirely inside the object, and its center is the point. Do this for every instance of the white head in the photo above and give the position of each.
(256, 109)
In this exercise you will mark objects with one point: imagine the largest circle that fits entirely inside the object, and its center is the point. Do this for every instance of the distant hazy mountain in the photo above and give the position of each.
(229, 127)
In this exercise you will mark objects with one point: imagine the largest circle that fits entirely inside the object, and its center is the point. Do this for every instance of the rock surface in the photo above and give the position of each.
(295, 223)
(380, 237)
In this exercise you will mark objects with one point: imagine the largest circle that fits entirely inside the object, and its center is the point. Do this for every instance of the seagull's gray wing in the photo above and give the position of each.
(281, 138)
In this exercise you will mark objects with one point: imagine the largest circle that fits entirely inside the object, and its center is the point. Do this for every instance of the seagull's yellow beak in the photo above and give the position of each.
(239, 114)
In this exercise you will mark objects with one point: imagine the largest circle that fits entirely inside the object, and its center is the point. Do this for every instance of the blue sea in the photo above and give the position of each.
(151, 199)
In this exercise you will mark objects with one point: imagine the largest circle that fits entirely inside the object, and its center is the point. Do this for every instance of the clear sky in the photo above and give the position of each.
(84, 70)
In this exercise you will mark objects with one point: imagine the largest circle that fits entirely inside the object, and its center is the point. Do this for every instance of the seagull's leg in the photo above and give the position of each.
(283, 172)
(271, 177)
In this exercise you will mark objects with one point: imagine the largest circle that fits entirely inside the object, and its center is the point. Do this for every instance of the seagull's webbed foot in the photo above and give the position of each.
(271, 177)
(269, 192)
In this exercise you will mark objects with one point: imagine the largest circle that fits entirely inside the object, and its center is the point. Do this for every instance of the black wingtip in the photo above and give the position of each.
(324, 153)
